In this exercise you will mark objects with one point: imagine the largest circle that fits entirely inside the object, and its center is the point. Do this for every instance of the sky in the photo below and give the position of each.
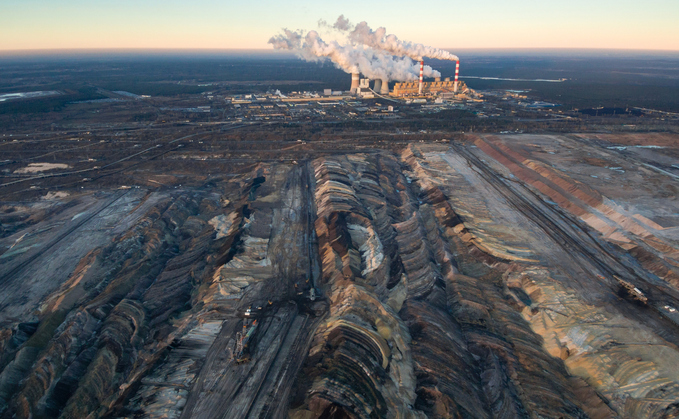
(231, 24)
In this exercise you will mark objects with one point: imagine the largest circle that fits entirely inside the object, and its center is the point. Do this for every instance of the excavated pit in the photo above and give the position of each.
(476, 279)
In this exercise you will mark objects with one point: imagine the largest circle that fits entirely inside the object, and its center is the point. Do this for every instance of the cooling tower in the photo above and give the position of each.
(385, 87)
(354, 82)
(378, 86)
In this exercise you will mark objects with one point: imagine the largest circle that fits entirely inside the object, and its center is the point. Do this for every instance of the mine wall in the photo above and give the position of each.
(580, 319)
(375, 355)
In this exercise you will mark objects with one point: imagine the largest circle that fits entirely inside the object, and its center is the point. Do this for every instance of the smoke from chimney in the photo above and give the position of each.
(350, 58)
(362, 34)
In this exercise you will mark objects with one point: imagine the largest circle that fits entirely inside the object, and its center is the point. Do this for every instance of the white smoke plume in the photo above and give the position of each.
(362, 34)
(350, 58)
(342, 24)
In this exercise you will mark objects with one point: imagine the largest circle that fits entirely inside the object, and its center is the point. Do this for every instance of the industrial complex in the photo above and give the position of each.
(445, 88)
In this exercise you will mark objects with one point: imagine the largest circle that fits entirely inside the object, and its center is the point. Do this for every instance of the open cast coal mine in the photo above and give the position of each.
(489, 276)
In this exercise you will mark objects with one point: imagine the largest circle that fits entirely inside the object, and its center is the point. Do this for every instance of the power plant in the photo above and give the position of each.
(423, 88)
(375, 55)
(362, 88)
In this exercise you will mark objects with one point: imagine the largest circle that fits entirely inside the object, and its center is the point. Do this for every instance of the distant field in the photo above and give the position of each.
(608, 79)
(612, 80)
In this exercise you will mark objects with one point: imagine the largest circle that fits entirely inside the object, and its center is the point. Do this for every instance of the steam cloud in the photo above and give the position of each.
(362, 34)
(372, 53)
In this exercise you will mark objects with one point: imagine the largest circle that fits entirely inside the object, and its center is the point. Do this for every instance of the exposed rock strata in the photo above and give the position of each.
(438, 282)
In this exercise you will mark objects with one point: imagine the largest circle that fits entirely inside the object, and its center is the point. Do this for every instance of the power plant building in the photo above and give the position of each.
(361, 87)
(413, 88)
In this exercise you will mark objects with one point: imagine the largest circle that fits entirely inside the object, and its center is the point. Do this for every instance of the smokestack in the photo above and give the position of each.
(421, 75)
(378, 85)
(385, 87)
(457, 74)
(354, 82)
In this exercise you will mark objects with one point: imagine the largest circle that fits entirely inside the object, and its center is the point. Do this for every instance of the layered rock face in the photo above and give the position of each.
(456, 281)
(408, 334)
(123, 307)
(562, 278)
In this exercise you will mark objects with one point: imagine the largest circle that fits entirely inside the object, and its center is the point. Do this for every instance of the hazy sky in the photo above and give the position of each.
(48, 24)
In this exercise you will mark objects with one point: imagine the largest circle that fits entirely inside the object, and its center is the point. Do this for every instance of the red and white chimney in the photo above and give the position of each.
(457, 74)
(421, 76)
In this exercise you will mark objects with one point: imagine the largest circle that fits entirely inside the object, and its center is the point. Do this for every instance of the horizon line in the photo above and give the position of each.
(32, 51)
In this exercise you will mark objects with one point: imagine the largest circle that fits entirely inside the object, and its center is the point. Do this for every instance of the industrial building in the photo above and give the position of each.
(361, 87)
(438, 86)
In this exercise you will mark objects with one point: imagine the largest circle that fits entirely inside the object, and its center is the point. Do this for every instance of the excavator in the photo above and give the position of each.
(243, 338)
(629, 290)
